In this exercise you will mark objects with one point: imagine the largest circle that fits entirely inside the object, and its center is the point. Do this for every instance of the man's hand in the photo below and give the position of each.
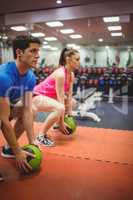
(21, 161)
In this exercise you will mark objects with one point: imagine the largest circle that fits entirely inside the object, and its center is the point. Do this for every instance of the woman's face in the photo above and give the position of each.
(74, 61)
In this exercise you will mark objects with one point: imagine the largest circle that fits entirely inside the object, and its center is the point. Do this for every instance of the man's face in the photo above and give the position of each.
(30, 56)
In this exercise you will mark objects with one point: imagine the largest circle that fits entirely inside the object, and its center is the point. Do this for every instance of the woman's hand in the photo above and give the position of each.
(63, 128)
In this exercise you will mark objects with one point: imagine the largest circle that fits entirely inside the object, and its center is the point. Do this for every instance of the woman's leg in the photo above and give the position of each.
(47, 104)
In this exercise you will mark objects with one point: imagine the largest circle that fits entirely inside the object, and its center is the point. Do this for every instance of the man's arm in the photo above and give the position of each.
(8, 132)
(28, 117)
(10, 136)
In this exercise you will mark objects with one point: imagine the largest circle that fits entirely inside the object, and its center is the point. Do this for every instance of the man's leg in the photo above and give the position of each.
(17, 113)
(19, 127)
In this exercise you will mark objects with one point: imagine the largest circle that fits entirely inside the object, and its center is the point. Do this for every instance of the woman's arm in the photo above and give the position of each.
(61, 98)
(59, 82)
(68, 100)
